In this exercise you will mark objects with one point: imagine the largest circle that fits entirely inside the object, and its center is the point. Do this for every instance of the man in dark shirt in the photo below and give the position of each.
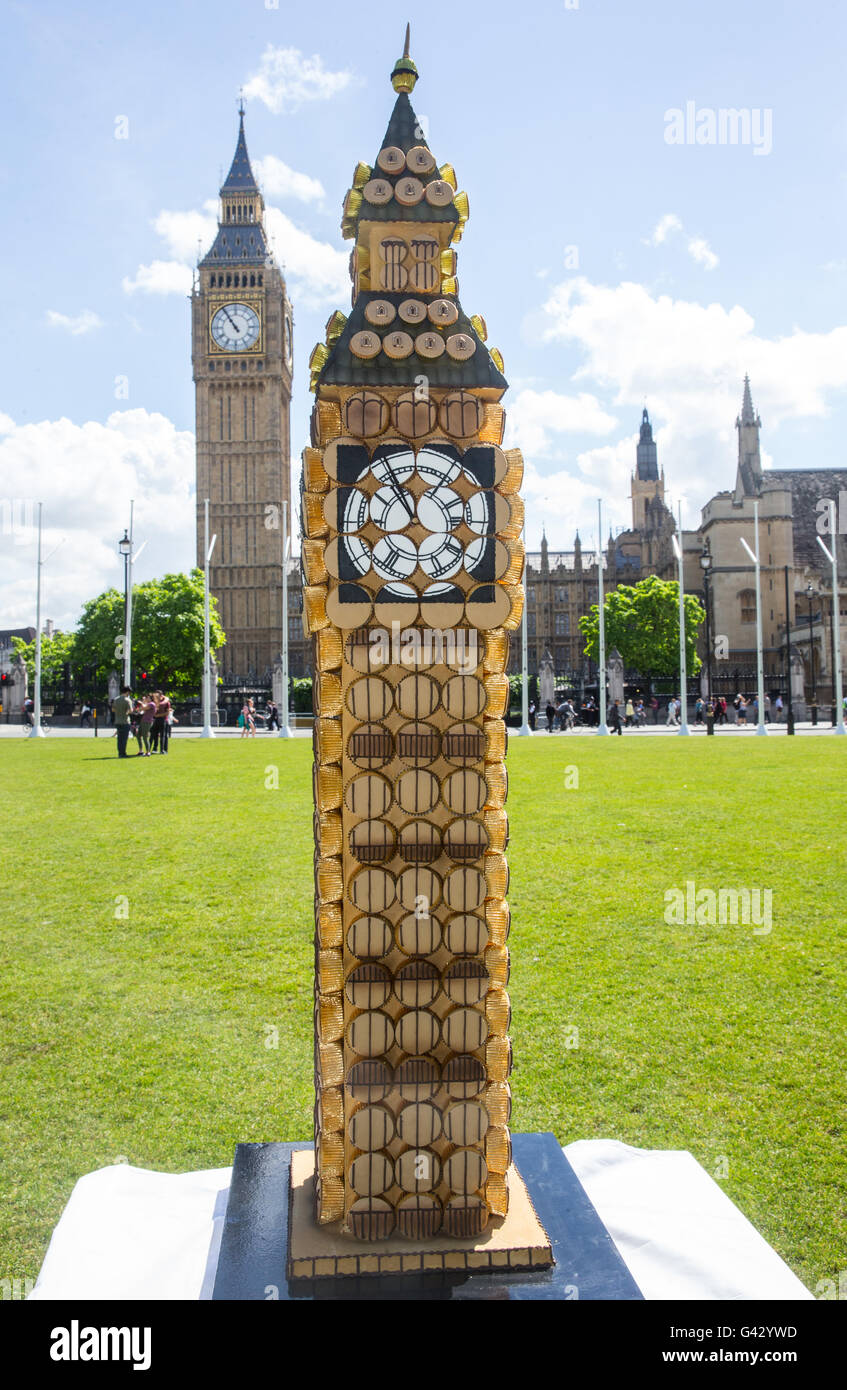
(121, 711)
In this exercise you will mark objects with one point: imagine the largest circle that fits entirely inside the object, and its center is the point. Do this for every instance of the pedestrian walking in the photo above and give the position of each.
(629, 713)
(532, 712)
(551, 715)
(273, 715)
(615, 718)
(778, 706)
(248, 727)
(85, 715)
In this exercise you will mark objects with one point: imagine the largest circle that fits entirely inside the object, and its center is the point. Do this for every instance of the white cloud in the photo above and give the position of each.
(317, 272)
(287, 79)
(698, 247)
(75, 324)
(85, 475)
(663, 228)
(699, 250)
(184, 232)
(279, 181)
(688, 361)
(160, 277)
(536, 415)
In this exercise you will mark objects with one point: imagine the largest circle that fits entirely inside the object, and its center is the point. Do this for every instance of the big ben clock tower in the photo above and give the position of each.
(241, 328)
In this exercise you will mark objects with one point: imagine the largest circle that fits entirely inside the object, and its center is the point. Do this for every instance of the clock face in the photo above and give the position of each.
(235, 327)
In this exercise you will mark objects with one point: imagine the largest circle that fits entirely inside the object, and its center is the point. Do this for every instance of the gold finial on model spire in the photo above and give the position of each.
(405, 74)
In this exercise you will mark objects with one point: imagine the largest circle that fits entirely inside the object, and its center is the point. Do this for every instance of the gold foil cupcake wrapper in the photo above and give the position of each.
(516, 593)
(329, 788)
(514, 476)
(514, 526)
(328, 738)
(493, 425)
(328, 420)
(331, 1017)
(330, 881)
(330, 1155)
(314, 568)
(497, 825)
(497, 694)
(497, 1194)
(331, 1059)
(517, 559)
(498, 1012)
(498, 1149)
(330, 833)
(497, 964)
(496, 650)
(330, 926)
(330, 972)
(495, 739)
(498, 1058)
(315, 476)
(497, 783)
(331, 1108)
(329, 695)
(329, 649)
(496, 876)
(314, 521)
(498, 1102)
(314, 607)
(330, 1201)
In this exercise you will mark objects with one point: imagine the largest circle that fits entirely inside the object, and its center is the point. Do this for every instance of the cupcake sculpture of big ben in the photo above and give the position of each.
(412, 562)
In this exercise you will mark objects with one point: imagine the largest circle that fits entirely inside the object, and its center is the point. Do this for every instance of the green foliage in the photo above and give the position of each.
(55, 652)
(167, 632)
(301, 694)
(642, 621)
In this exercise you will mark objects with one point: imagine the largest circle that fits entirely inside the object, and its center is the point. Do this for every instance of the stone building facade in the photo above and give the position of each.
(242, 354)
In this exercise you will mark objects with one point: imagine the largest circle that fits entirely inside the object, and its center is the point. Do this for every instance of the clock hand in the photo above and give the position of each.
(400, 491)
(232, 321)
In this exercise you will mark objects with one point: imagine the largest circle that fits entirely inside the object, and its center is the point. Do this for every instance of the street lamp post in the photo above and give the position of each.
(36, 731)
(524, 731)
(837, 696)
(125, 549)
(705, 565)
(812, 593)
(683, 673)
(207, 730)
(602, 727)
(284, 729)
(788, 680)
(760, 668)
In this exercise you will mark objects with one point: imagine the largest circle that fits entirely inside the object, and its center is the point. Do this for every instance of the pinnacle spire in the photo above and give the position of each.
(748, 416)
(240, 177)
(646, 459)
(405, 74)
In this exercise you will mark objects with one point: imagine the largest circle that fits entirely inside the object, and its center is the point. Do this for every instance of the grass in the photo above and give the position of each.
(158, 924)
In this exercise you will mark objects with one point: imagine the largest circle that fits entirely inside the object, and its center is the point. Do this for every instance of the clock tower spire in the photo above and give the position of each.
(242, 360)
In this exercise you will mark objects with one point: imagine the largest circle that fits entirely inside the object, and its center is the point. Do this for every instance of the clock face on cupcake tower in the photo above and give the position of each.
(235, 327)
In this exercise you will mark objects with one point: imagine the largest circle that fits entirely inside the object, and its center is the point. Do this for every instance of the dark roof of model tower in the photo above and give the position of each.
(240, 177)
(646, 464)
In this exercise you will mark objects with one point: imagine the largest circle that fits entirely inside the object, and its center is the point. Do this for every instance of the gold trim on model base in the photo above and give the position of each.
(515, 1241)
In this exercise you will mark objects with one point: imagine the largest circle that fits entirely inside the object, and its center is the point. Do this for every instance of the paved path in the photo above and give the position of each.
(651, 731)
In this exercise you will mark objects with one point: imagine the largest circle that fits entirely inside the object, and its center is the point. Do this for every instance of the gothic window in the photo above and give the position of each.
(563, 625)
(530, 624)
(561, 595)
(530, 597)
(228, 281)
(252, 280)
(747, 599)
(260, 279)
(394, 276)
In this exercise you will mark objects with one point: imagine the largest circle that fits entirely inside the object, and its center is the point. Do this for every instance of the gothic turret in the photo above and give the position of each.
(749, 478)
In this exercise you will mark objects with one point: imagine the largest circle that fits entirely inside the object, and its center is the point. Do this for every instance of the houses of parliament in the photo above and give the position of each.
(242, 356)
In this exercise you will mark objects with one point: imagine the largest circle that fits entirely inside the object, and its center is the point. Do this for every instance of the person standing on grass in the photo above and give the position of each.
(121, 711)
(145, 726)
(159, 738)
(165, 709)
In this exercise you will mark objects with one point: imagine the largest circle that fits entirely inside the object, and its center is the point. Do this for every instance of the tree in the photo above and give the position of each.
(55, 652)
(167, 632)
(642, 621)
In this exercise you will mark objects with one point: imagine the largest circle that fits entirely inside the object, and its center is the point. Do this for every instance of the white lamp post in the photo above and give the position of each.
(524, 731)
(760, 669)
(36, 731)
(207, 730)
(602, 727)
(836, 621)
(284, 730)
(683, 671)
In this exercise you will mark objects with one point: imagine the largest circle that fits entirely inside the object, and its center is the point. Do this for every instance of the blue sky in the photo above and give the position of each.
(612, 267)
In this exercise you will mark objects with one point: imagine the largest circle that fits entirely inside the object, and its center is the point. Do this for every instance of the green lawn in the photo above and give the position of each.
(144, 1035)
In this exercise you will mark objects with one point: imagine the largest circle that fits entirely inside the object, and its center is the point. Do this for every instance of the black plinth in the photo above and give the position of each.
(254, 1246)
